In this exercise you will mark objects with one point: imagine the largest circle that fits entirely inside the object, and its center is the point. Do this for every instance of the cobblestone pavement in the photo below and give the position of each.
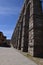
(10, 56)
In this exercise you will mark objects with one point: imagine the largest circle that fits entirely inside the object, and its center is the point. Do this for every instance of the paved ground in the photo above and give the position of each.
(10, 56)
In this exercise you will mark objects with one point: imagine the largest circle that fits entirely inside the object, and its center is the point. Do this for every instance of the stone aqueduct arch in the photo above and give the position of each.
(28, 33)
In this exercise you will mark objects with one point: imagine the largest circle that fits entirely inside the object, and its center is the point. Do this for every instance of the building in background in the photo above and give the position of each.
(2, 38)
(28, 33)
(3, 41)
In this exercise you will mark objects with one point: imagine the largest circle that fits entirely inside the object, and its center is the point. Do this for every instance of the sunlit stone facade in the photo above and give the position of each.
(28, 33)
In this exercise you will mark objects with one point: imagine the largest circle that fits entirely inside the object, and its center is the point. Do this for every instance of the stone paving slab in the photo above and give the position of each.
(10, 56)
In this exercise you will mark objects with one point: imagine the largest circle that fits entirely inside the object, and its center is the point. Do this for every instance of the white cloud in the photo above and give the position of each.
(6, 30)
(6, 27)
(9, 10)
(7, 33)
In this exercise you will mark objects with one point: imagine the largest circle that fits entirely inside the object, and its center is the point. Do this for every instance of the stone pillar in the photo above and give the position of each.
(35, 29)
(38, 29)
(31, 29)
(22, 40)
(25, 33)
(15, 38)
(20, 34)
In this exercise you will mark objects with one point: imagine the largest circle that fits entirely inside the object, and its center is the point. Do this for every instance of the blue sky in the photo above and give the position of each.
(9, 13)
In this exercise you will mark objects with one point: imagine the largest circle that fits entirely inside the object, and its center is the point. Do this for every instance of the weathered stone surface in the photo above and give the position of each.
(28, 33)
